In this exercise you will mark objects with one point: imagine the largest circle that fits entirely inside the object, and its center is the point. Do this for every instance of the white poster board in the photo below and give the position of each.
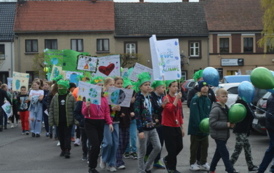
(166, 60)
(56, 70)
(139, 68)
(91, 92)
(7, 108)
(20, 79)
(87, 63)
(119, 96)
(108, 66)
(9, 79)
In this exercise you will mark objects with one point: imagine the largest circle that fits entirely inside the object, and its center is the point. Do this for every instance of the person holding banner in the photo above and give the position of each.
(36, 95)
(111, 139)
(3, 96)
(172, 121)
(145, 123)
(95, 118)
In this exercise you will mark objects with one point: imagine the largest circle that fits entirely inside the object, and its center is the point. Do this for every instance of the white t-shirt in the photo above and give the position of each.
(36, 93)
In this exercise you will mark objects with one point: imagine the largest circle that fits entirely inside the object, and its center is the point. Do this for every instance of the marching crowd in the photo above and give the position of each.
(154, 118)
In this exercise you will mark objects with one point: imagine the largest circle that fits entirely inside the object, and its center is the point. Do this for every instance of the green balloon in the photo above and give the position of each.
(262, 78)
(236, 113)
(204, 125)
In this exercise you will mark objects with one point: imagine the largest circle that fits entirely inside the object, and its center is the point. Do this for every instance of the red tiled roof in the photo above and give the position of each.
(50, 16)
(234, 15)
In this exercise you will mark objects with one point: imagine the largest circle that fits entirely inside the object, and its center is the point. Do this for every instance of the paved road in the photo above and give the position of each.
(24, 154)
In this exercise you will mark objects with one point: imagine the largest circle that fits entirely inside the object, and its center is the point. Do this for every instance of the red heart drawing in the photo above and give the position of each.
(106, 69)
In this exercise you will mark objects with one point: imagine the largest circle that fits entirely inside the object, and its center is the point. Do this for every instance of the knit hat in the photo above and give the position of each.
(142, 78)
(97, 79)
(57, 78)
(198, 74)
(127, 82)
(201, 84)
(157, 83)
(168, 82)
(64, 83)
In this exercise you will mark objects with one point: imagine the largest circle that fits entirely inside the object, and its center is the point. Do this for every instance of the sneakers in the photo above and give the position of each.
(23, 132)
(121, 167)
(148, 171)
(235, 171)
(112, 169)
(67, 154)
(11, 126)
(194, 167)
(47, 134)
(33, 135)
(84, 158)
(159, 165)
(58, 143)
(134, 155)
(102, 163)
(92, 170)
(37, 135)
(27, 132)
(204, 167)
(72, 139)
(62, 154)
(127, 155)
(253, 169)
(77, 142)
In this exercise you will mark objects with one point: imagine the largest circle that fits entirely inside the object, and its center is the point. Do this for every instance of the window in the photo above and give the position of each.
(102, 45)
(77, 45)
(31, 46)
(224, 45)
(51, 44)
(2, 51)
(194, 49)
(248, 45)
(131, 49)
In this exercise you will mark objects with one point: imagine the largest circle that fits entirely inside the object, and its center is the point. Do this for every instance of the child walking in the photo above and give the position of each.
(219, 131)
(23, 112)
(36, 95)
(172, 121)
(145, 124)
(95, 118)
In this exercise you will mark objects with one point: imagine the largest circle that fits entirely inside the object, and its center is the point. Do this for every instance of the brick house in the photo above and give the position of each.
(234, 29)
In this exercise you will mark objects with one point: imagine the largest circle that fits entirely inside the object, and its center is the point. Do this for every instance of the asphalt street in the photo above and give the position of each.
(24, 154)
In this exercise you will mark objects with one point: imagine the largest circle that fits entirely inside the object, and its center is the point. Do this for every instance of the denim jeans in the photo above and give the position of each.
(221, 152)
(110, 145)
(132, 137)
(269, 153)
(36, 115)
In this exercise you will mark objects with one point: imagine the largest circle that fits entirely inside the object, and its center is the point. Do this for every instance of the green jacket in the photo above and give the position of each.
(54, 110)
(199, 109)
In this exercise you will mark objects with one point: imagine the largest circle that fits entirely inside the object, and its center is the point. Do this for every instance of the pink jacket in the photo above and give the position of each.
(97, 111)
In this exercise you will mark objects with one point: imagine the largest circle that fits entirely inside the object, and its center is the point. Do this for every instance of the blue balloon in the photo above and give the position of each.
(246, 91)
(211, 76)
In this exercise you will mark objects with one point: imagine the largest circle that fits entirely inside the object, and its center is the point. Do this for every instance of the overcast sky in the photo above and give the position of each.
(127, 0)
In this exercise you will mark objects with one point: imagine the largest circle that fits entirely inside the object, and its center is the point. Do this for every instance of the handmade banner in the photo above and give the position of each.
(56, 70)
(108, 66)
(90, 92)
(139, 68)
(20, 79)
(119, 96)
(8, 109)
(53, 57)
(166, 60)
(73, 76)
(70, 59)
(87, 63)
(9, 79)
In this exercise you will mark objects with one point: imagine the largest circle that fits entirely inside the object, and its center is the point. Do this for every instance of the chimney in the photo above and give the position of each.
(93, 1)
(141, 1)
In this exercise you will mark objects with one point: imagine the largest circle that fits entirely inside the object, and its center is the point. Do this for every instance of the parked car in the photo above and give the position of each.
(236, 78)
(187, 86)
(258, 123)
(232, 89)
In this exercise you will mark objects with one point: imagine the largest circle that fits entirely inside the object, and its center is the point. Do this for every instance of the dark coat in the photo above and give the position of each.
(193, 91)
(270, 113)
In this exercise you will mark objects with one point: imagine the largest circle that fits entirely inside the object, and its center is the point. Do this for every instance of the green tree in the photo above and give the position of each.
(267, 39)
